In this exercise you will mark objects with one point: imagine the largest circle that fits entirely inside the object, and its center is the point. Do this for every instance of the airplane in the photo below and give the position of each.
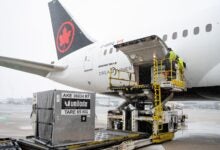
(84, 63)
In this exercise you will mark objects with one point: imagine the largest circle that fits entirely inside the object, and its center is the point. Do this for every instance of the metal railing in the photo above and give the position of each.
(168, 71)
(121, 78)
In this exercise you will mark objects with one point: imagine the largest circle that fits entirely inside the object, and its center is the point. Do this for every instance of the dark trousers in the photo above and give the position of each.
(168, 70)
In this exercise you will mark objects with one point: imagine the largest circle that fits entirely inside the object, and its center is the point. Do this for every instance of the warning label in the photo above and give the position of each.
(75, 104)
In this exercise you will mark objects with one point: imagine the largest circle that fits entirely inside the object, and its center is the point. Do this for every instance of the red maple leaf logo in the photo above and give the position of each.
(64, 37)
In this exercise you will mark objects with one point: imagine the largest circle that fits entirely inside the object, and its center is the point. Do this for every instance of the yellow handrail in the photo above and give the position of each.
(169, 72)
(158, 109)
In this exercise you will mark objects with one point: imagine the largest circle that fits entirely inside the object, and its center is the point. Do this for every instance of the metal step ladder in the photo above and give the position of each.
(158, 137)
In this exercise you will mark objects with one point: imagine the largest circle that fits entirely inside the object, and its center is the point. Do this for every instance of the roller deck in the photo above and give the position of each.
(104, 139)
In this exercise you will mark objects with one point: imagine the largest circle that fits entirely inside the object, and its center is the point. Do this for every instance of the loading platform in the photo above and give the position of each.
(146, 90)
(104, 139)
(9, 144)
(135, 92)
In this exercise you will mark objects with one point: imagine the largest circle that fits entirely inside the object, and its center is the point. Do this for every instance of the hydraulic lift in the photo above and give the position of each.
(146, 90)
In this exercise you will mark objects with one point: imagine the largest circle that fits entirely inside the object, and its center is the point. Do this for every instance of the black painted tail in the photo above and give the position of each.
(67, 35)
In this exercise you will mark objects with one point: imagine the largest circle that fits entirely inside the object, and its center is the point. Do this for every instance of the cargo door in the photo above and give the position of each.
(140, 53)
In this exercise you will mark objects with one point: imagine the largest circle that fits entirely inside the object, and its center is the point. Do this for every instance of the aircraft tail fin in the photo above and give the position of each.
(67, 34)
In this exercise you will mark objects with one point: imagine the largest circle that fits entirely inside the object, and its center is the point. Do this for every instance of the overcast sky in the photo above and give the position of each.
(26, 32)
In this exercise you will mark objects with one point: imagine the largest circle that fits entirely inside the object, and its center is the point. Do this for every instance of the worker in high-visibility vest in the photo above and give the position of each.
(172, 56)
(181, 65)
(170, 64)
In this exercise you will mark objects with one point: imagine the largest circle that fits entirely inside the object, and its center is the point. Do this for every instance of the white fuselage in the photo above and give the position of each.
(87, 68)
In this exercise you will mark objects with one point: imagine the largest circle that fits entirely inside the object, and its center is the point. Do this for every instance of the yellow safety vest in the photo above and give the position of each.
(180, 63)
(172, 56)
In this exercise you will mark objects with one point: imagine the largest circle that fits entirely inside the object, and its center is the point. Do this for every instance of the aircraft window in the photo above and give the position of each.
(174, 36)
(86, 58)
(208, 28)
(111, 50)
(185, 33)
(196, 30)
(105, 52)
(164, 37)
